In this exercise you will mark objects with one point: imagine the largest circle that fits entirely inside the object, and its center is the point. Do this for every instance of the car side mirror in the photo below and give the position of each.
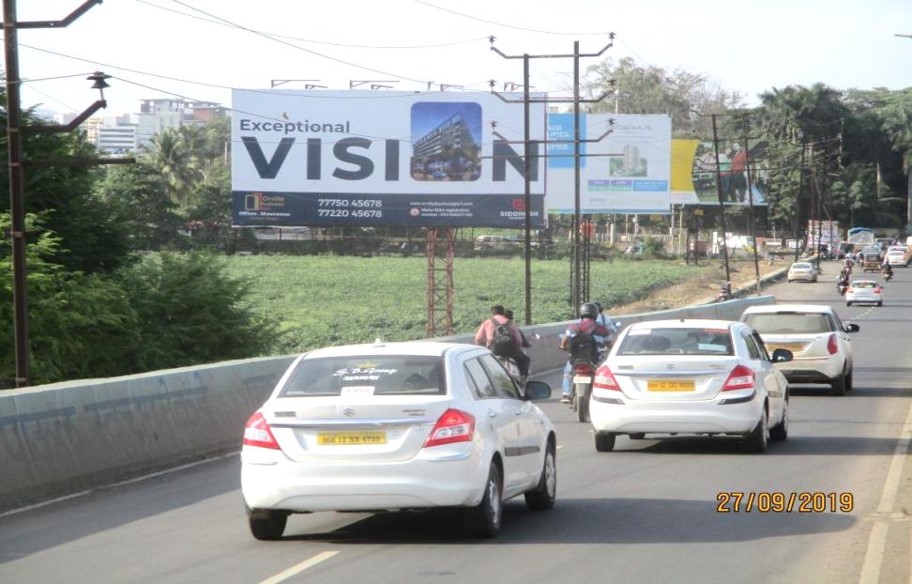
(537, 390)
(782, 355)
(852, 328)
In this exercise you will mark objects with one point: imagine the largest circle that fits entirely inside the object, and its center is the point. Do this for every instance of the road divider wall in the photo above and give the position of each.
(68, 437)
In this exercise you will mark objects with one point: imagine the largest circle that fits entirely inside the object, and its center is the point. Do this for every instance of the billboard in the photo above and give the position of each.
(382, 158)
(693, 173)
(626, 171)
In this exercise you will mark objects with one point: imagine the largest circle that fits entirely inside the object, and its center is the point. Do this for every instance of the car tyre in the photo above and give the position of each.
(880, 303)
(839, 385)
(780, 431)
(267, 525)
(637, 435)
(849, 384)
(484, 519)
(542, 497)
(604, 441)
(758, 440)
(848, 303)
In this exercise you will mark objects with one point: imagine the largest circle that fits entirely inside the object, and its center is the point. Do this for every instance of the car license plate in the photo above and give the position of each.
(670, 385)
(793, 347)
(348, 438)
(582, 379)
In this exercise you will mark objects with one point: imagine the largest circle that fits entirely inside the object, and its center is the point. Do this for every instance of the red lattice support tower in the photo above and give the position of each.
(440, 294)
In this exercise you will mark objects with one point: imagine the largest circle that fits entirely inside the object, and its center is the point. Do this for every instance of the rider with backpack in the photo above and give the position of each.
(584, 339)
(504, 338)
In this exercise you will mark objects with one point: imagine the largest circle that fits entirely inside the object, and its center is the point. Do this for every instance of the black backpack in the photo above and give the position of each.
(502, 342)
(583, 347)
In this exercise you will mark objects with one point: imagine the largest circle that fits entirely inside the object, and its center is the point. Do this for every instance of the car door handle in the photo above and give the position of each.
(492, 414)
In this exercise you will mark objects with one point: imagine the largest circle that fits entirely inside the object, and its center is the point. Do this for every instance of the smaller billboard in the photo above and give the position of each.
(696, 171)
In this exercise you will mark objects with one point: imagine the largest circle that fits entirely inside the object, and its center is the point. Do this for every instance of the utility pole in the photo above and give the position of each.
(14, 131)
(750, 199)
(721, 203)
(576, 277)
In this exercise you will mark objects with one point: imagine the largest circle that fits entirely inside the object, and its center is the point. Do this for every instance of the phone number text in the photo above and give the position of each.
(349, 203)
(358, 213)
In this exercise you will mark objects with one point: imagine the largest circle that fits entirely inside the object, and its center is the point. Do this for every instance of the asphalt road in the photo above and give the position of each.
(651, 511)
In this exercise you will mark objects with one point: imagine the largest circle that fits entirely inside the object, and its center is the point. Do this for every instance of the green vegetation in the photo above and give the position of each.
(325, 300)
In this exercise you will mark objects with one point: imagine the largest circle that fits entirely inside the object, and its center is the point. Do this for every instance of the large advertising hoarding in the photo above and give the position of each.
(693, 173)
(626, 171)
(382, 158)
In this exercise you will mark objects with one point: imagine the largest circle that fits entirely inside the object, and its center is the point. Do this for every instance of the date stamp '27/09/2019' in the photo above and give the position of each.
(781, 502)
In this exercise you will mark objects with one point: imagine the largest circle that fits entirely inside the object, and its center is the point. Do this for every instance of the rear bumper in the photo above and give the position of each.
(676, 417)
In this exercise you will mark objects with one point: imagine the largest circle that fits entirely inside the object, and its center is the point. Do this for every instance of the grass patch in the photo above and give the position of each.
(330, 300)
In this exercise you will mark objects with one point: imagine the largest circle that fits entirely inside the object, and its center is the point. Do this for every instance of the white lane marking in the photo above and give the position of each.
(870, 569)
(297, 568)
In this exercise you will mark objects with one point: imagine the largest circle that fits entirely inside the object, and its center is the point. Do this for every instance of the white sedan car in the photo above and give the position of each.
(815, 335)
(397, 426)
(710, 377)
(802, 272)
(864, 292)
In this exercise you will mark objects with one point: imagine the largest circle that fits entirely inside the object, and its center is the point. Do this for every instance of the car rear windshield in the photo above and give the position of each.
(864, 284)
(784, 323)
(367, 375)
(677, 341)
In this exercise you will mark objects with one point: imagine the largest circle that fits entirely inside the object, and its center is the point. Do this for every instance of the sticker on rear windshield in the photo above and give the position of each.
(357, 391)
(363, 374)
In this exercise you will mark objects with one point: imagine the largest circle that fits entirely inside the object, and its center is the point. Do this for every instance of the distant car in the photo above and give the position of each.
(864, 291)
(802, 272)
(690, 377)
(817, 338)
(897, 257)
(398, 426)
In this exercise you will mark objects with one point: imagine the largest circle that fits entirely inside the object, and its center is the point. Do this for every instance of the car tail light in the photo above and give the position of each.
(832, 347)
(741, 377)
(258, 433)
(604, 379)
(453, 426)
(582, 369)
(877, 290)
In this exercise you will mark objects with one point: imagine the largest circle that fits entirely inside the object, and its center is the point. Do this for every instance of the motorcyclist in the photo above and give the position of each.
(587, 323)
(842, 279)
(487, 330)
(604, 320)
(886, 269)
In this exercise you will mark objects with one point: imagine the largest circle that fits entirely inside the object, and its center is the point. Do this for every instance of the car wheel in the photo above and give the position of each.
(604, 441)
(484, 519)
(880, 303)
(637, 435)
(848, 303)
(267, 525)
(848, 381)
(780, 431)
(839, 385)
(545, 493)
(758, 440)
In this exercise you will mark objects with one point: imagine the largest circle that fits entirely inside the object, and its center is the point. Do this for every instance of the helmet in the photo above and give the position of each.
(588, 310)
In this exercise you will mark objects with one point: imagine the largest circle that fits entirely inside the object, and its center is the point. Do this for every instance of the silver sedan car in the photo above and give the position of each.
(707, 377)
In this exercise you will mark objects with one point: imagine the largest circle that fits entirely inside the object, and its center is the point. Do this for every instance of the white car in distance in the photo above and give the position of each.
(707, 377)
(397, 426)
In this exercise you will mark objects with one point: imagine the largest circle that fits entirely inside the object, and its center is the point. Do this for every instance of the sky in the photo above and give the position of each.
(201, 49)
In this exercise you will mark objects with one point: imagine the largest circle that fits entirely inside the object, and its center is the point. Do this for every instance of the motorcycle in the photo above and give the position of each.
(887, 274)
(725, 292)
(841, 287)
(512, 368)
(582, 373)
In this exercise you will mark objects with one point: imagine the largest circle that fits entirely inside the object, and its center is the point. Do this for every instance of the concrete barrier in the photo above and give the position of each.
(67, 437)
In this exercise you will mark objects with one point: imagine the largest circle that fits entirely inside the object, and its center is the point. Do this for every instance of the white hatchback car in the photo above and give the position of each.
(696, 376)
(815, 335)
(802, 272)
(397, 426)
